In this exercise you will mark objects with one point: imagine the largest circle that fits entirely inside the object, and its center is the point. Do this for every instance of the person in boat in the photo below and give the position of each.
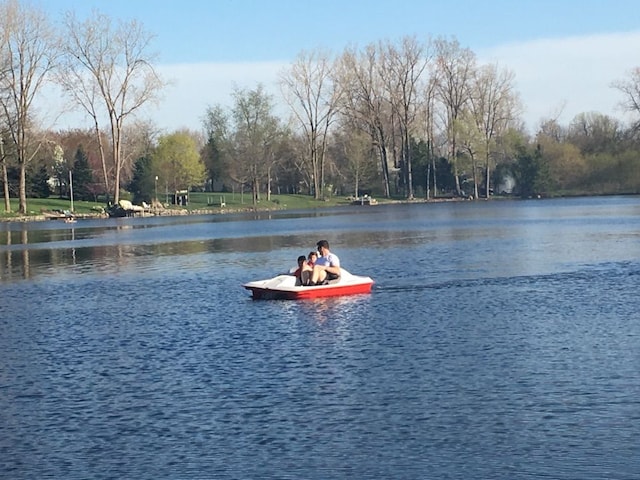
(326, 267)
(307, 268)
(302, 260)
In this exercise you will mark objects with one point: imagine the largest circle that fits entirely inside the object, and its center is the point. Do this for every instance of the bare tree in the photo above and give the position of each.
(255, 136)
(364, 101)
(630, 89)
(5, 67)
(313, 95)
(428, 114)
(455, 66)
(109, 72)
(402, 69)
(27, 54)
(353, 154)
(469, 141)
(494, 105)
(594, 132)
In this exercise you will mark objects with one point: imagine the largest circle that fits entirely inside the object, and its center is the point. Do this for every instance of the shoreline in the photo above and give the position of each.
(165, 212)
(228, 211)
(160, 213)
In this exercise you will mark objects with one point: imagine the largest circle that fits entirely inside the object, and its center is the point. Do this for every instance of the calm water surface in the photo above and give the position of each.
(501, 341)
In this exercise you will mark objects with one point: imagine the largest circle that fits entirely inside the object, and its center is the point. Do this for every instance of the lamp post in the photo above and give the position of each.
(5, 182)
(71, 189)
(156, 191)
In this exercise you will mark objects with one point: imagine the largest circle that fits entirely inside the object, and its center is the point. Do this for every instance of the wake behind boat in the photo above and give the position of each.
(287, 287)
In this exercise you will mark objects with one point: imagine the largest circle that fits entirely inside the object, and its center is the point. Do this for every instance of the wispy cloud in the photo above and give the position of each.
(190, 90)
(195, 87)
(562, 77)
(556, 77)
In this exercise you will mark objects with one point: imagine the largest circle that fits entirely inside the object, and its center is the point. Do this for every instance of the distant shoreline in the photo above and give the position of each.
(248, 209)
(200, 211)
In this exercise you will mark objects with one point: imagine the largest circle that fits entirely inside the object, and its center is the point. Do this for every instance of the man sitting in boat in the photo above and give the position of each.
(326, 267)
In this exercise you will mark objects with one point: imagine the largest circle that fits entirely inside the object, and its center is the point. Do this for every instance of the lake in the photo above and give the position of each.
(501, 341)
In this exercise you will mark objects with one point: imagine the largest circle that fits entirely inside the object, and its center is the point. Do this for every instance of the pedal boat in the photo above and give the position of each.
(287, 287)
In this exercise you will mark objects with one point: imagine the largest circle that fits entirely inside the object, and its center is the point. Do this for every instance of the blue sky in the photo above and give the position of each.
(565, 54)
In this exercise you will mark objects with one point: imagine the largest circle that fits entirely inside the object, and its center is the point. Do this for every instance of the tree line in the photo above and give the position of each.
(412, 118)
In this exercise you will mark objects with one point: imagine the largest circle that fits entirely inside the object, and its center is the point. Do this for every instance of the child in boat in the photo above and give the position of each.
(303, 272)
(307, 268)
(301, 262)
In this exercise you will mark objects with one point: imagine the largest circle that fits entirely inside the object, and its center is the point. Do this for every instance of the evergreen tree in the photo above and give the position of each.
(39, 184)
(420, 165)
(215, 163)
(142, 183)
(82, 176)
(531, 172)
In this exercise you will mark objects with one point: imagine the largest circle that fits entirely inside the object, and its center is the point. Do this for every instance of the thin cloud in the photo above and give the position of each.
(195, 87)
(555, 77)
(562, 77)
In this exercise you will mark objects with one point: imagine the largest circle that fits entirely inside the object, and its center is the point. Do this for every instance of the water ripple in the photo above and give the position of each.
(470, 359)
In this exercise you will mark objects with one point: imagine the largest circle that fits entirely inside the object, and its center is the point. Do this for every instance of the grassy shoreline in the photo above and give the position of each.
(200, 203)
(203, 203)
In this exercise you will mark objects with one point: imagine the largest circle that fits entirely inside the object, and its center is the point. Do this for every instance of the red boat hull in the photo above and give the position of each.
(305, 293)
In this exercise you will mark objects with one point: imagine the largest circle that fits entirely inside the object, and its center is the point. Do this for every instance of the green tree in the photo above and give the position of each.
(143, 183)
(178, 162)
(421, 165)
(82, 176)
(214, 153)
(567, 166)
(39, 185)
(531, 173)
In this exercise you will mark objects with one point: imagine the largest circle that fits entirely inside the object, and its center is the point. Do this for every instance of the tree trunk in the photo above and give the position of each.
(408, 166)
(488, 176)
(454, 162)
(427, 191)
(23, 189)
(102, 156)
(316, 173)
(116, 132)
(5, 182)
(269, 184)
(254, 191)
(475, 177)
(435, 178)
(383, 159)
